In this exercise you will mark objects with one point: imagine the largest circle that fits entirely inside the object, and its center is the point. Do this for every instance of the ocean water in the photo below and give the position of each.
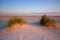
(33, 20)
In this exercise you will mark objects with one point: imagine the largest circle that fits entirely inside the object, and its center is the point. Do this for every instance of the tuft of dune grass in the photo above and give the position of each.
(46, 21)
(15, 20)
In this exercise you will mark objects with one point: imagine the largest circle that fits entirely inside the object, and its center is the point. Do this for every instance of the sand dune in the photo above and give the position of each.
(29, 32)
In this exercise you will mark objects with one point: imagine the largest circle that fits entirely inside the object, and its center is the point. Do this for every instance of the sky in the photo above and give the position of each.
(27, 6)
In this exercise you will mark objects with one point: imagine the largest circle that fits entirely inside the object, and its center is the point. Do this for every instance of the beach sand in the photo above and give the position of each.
(29, 32)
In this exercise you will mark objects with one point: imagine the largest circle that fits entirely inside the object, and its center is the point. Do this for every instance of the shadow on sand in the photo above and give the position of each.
(35, 23)
(3, 23)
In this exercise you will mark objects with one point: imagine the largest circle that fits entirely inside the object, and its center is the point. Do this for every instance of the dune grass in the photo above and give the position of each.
(46, 21)
(15, 20)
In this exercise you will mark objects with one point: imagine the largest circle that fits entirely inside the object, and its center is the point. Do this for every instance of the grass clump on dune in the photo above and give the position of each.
(46, 21)
(15, 20)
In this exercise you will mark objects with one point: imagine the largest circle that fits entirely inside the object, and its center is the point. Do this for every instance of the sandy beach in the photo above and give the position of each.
(29, 19)
(29, 32)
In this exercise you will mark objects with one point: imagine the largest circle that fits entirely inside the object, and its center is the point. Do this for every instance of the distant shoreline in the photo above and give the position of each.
(29, 14)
